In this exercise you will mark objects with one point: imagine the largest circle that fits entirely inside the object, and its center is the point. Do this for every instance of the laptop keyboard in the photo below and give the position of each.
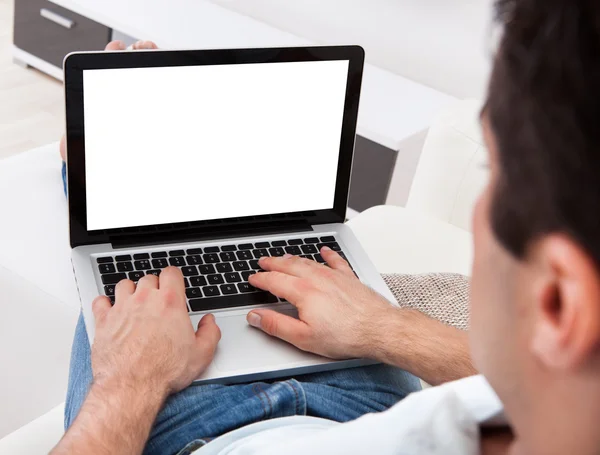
(216, 277)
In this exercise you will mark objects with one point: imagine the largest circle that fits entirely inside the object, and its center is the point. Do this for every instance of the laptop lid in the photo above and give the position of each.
(170, 146)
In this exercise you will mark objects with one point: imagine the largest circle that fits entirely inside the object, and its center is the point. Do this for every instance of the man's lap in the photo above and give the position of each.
(208, 411)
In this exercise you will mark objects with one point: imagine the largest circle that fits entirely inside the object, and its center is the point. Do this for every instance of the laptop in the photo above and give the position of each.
(208, 160)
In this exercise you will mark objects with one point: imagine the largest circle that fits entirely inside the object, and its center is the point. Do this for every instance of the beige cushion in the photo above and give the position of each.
(442, 296)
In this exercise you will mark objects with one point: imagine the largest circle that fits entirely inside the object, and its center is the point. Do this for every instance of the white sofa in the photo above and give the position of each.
(38, 298)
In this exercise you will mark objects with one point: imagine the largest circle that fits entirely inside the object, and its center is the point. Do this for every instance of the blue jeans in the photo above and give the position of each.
(203, 412)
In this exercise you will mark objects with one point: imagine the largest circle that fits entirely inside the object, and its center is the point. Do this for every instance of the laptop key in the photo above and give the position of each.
(112, 300)
(233, 277)
(279, 243)
(109, 290)
(276, 252)
(228, 257)
(194, 251)
(153, 272)
(106, 268)
(190, 270)
(143, 265)
(246, 275)
(334, 246)
(198, 281)
(262, 245)
(254, 265)
(160, 263)
(231, 301)
(229, 248)
(194, 260)
(136, 276)
(177, 261)
(209, 291)
(141, 256)
(215, 279)
(244, 255)
(309, 249)
(311, 240)
(293, 250)
(176, 253)
(295, 242)
(224, 268)
(211, 258)
(307, 256)
(245, 288)
(124, 266)
(328, 239)
(193, 293)
(241, 266)
(159, 254)
(104, 260)
(208, 269)
(113, 278)
(123, 257)
(212, 249)
(320, 259)
(228, 289)
(261, 253)
(246, 246)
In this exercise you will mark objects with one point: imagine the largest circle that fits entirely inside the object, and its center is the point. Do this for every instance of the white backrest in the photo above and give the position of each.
(452, 170)
(439, 43)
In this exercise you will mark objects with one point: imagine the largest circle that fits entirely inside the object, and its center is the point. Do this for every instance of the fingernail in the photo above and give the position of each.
(287, 256)
(254, 320)
(262, 259)
(325, 248)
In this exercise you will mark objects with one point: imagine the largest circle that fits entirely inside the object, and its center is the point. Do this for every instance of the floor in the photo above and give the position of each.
(31, 112)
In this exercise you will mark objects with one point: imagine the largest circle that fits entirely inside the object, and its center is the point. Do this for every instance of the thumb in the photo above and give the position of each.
(208, 336)
(100, 307)
(280, 326)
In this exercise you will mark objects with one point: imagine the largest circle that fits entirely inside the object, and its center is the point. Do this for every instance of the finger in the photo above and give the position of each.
(335, 261)
(124, 289)
(208, 336)
(172, 278)
(116, 45)
(148, 282)
(294, 265)
(142, 45)
(280, 326)
(100, 307)
(280, 284)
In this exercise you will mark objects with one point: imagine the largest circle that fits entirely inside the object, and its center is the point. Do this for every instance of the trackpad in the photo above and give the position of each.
(244, 347)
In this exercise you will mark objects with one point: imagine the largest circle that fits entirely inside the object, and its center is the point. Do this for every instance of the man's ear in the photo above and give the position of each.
(566, 313)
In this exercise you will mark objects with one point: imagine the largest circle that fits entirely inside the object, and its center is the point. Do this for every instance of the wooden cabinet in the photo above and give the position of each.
(49, 32)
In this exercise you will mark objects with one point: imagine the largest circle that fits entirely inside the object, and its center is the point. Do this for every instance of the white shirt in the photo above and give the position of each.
(443, 420)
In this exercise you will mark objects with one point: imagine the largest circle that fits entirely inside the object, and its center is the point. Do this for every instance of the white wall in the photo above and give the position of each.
(440, 43)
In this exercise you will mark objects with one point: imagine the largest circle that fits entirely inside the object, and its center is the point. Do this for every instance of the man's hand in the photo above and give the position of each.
(146, 340)
(341, 318)
(145, 348)
(338, 314)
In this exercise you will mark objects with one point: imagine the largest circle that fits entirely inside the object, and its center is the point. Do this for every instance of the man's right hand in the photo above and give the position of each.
(341, 318)
(338, 314)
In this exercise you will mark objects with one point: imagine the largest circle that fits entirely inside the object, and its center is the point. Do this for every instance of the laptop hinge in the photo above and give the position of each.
(199, 234)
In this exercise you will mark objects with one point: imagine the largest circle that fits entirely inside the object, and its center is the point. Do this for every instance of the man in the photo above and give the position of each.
(535, 301)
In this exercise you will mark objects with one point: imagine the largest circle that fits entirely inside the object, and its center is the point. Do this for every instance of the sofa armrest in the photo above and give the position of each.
(37, 437)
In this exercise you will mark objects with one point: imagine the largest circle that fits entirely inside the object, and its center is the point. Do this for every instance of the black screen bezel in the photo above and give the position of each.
(76, 63)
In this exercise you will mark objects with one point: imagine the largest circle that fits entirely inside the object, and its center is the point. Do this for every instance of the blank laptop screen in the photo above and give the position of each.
(177, 144)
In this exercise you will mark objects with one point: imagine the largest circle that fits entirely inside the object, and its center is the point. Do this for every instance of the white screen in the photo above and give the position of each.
(176, 144)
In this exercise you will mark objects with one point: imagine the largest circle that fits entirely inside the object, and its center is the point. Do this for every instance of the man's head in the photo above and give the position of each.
(536, 278)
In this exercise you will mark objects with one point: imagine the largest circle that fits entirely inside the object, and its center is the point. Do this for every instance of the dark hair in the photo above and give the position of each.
(544, 110)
